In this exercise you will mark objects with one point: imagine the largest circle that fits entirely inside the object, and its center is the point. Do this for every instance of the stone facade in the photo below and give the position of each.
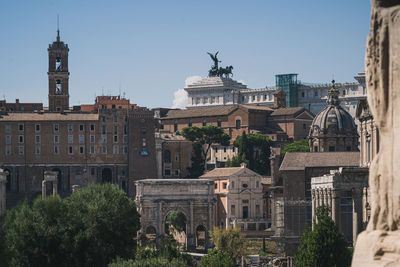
(342, 191)
(156, 198)
(240, 198)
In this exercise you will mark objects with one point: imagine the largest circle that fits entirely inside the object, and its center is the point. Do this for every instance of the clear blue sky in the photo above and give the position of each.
(148, 48)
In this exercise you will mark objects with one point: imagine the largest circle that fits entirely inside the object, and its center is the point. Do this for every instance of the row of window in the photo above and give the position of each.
(70, 127)
(71, 139)
(70, 150)
(232, 183)
(253, 98)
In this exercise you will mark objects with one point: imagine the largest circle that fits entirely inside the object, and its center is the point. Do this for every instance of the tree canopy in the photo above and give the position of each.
(217, 258)
(202, 139)
(254, 150)
(298, 146)
(324, 246)
(89, 228)
(229, 240)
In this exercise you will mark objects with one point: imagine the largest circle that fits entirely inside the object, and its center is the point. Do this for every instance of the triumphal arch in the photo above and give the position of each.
(156, 198)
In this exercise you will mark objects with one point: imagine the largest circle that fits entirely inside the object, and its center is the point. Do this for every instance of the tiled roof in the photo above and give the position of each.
(294, 161)
(210, 111)
(221, 172)
(287, 111)
(49, 117)
(200, 112)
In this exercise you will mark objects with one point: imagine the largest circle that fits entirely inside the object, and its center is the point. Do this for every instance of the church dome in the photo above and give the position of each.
(333, 129)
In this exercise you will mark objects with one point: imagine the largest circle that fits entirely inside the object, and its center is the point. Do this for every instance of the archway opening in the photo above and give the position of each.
(106, 176)
(201, 232)
(151, 234)
(175, 224)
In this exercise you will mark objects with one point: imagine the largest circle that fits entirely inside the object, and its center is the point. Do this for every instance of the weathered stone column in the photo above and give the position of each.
(379, 245)
(357, 212)
(336, 210)
(330, 199)
(320, 196)
(44, 189)
(75, 188)
(313, 205)
(3, 197)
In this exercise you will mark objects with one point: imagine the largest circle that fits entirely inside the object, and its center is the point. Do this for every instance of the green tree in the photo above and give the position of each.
(217, 258)
(177, 220)
(298, 146)
(229, 240)
(202, 139)
(254, 150)
(324, 246)
(90, 228)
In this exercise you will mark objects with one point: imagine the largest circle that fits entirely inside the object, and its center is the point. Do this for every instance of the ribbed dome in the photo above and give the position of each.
(333, 129)
(333, 119)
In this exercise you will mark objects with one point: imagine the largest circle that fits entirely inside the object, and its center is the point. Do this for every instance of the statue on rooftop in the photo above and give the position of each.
(218, 72)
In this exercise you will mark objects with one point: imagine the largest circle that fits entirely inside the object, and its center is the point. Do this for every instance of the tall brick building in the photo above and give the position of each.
(111, 141)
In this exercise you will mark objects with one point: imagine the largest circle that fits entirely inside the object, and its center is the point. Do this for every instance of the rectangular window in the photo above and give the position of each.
(204, 123)
(92, 171)
(115, 150)
(91, 149)
(70, 127)
(176, 158)
(167, 172)
(104, 129)
(238, 124)
(125, 139)
(92, 139)
(190, 123)
(115, 119)
(70, 139)
(115, 138)
(37, 149)
(20, 127)
(219, 123)
(224, 185)
(125, 129)
(115, 129)
(81, 127)
(92, 127)
(70, 150)
(216, 186)
(232, 184)
(81, 138)
(8, 150)
(56, 150)
(125, 150)
(37, 138)
(233, 210)
(21, 139)
(8, 127)
(81, 150)
(144, 142)
(104, 138)
(8, 139)
(21, 150)
(37, 127)
(56, 139)
(144, 130)
(56, 127)
(104, 149)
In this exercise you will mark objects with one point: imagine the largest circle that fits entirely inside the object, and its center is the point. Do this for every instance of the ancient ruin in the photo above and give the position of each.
(379, 244)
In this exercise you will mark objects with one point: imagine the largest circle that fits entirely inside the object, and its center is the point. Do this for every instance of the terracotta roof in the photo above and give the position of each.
(287, 111)
(225, 172)
(200, 112)
(210, 111)
(295, 161)
(266, 180)
(49, 117)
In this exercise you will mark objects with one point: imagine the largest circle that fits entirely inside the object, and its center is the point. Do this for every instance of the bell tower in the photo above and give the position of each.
(58, 75)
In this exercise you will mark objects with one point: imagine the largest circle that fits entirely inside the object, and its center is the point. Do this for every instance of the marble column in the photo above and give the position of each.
(3, 181)
(320, 197)
(357, 212)
(313, 205)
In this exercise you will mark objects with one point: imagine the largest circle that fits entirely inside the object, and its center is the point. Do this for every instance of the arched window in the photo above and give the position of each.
(167, 156)
(58, 64)
(58, 86)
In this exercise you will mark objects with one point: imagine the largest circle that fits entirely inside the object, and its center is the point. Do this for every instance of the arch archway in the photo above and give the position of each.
(151, 233)
(176, 221)
(201, 233)
(106, 175)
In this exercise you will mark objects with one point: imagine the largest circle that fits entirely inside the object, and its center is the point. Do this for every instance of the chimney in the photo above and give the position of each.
(17, 100)
(279, 99)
